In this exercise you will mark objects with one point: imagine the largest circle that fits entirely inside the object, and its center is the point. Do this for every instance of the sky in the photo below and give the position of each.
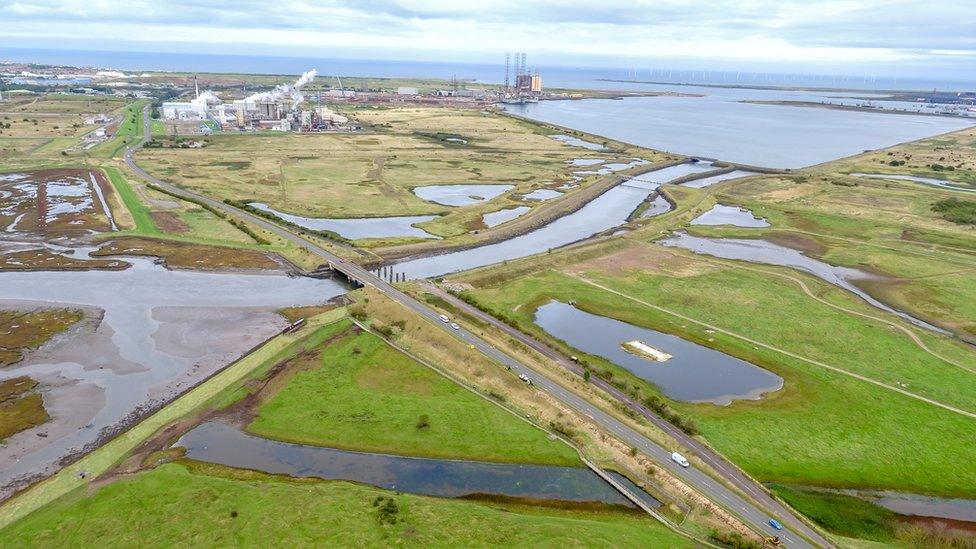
(883, 37)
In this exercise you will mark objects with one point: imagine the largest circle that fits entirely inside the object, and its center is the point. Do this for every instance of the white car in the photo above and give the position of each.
(455, 326)
(444, 319)
(525, 378)
(680, 459)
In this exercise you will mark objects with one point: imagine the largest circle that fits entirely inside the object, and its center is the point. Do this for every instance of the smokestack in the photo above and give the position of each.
(196, 87)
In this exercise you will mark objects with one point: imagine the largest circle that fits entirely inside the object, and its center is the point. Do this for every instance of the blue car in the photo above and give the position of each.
(775, 524)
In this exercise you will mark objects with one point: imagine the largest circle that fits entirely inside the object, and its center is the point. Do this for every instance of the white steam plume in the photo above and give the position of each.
(208, 97)
(282, 90)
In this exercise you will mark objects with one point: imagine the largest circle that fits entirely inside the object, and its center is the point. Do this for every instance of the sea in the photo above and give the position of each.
(582, 77)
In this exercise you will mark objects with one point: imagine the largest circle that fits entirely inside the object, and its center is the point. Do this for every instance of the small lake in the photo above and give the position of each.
(461, 194)
(694, 373)
(216, 442)
(493, 219)
(711, 180)
(730, 215)
(924, 180)
(609, 210)
(577, 142)
(762, 251)
(657, 207)
(720, 125)
(542, 194)
(356, 228)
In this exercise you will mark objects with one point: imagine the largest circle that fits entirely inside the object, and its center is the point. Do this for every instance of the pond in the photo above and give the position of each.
(149, 334)
(542, 194)
(924, 180)
(577, 142)
(762, 251)
(216, 442)
(730, 215)
(493, 219)
(461, 194)
(657, 207)
(356, 228)
(694, 373)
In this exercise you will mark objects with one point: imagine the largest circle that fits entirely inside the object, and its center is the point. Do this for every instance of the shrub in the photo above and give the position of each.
(958, 211)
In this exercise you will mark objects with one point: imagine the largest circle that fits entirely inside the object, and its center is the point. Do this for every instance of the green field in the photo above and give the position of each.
(825, 428)
(199, 505)
(359, 393)
(371, 174)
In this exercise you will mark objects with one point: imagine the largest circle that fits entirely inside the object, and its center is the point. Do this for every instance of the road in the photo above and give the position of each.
(705, 453)
(711, 488)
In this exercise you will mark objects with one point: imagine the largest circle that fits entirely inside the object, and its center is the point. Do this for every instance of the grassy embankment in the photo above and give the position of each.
(372, 173)
(250, 508)
(185, 234)
(198, 504)
(359, 393)
(824, 428)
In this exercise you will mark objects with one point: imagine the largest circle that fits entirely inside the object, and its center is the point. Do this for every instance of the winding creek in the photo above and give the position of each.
(765, 252)
(216, 442)
(918, 179)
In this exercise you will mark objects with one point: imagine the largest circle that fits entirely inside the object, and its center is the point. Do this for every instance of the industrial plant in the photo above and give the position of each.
(283, 109)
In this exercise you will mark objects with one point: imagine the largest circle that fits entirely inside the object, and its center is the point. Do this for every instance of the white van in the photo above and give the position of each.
(680, 459)
(445, 319)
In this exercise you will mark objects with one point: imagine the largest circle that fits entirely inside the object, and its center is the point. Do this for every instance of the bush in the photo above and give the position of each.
(423, 423)
(958, 211)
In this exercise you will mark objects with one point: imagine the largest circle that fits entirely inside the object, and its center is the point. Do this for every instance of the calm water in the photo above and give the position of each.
(924, 180)
(542, 194)
(493, 219)
(694, 373)
(761, 251)
(609, 210)
(461, 194)
(220, 443)
(658, 206)
(354, 229)
(730, 215)
(711, 180)
(719, 125)
(577, 142)
(664, 175)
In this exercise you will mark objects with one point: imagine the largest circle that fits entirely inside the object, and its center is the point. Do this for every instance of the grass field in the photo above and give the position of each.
(53, 115)
(824, 428)
(372, 173)
(359, 393)
(20, 406)
(887, 229)
(201, 505)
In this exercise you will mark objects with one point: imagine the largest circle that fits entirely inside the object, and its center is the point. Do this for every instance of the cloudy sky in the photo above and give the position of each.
(894, 37)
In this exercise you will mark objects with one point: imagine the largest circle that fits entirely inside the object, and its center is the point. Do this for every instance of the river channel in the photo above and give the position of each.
(220, 443)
